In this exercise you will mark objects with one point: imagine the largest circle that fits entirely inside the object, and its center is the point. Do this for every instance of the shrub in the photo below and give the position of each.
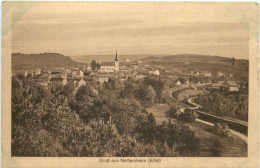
(221, 130)
(174, 112)
(188, 116)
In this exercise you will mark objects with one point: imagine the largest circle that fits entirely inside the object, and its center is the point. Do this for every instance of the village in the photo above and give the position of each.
(122, 70)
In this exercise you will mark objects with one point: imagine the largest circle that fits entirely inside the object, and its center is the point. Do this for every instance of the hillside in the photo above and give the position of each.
(47, 60)
(188, 62)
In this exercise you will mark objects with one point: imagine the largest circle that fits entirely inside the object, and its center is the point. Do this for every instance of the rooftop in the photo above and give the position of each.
(107, 64)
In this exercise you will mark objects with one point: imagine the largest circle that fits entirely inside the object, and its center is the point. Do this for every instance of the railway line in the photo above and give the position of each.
(237, 127)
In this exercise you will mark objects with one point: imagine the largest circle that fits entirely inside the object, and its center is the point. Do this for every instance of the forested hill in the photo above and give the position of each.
(48, 60)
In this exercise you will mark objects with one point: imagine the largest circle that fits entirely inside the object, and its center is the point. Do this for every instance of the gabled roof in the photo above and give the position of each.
(232, 83)
(216, 85)
(56, 77)
(221, 82)
(107, 64)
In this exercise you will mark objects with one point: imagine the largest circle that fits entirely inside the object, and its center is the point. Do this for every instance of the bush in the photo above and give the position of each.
(174, 112)
(221, 130)
(188, 116)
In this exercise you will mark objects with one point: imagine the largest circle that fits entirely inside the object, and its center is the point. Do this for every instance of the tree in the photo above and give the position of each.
(233, 61)
(56, 88)
(216, 149)
(174, 112)
(93, 65)
(129, 90)
(68, 90)
(146, 129)
(188, 116)
(187, 143)
(146, 96)
(157, 84)
(85, 103)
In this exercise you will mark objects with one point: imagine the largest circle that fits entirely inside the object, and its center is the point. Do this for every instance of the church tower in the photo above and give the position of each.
(116, 63)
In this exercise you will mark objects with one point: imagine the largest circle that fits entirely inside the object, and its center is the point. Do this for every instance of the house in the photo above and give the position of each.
(55, 72)
(127, 60)
(172, 76)
(29, 72)
(178, 83)
(195, 73)
(58, 79)
(26, 73)
(230, 86)
(140, 76)
(206, 73)
(220, 74)
(37, 71)
(139, 61)
(124, 69)
(68, 70)
(89, 68)
(154, 72)
(231, 75)
(110, 66)
(78, 73)
(102, 77)
(216, 86)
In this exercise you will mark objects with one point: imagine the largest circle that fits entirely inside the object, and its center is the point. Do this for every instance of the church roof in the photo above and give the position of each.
(116, 57)
(108, 64)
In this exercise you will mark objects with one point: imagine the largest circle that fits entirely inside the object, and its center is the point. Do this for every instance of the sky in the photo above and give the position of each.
(96, 28)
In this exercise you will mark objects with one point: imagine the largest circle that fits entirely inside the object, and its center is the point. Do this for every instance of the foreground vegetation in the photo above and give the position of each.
(108, 120)
(235, 106)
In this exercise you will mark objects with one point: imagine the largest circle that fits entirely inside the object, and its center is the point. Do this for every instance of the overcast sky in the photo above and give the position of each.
(75, 29)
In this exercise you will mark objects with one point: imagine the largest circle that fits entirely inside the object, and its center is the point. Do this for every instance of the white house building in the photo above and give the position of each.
(220, 74)
(154, 72)
(78, 73)
(206, 73)
(178, 83)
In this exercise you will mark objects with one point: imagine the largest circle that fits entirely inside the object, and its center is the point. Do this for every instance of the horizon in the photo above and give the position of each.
(102, 28)
(148, 55)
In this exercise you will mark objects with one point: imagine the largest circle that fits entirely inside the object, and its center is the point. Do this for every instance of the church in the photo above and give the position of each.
(110, 66)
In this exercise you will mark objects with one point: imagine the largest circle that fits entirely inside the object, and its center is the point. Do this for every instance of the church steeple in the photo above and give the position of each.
(116, 63)
(116, 57)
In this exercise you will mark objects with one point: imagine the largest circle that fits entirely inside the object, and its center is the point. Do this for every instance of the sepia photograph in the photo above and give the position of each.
(134, 81)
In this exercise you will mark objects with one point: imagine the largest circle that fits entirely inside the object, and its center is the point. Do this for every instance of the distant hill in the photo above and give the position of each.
(188, 62)
(107, 58)
(47, 60)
